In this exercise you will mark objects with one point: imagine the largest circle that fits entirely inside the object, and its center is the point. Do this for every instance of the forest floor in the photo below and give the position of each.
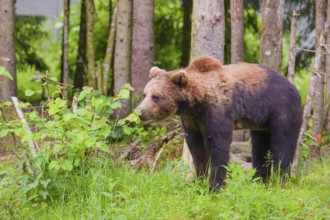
(115, 191)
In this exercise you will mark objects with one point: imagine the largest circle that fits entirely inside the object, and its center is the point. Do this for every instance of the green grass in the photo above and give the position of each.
(114, 192)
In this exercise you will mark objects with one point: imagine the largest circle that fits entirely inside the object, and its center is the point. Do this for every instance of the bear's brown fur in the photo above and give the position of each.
(213, 99)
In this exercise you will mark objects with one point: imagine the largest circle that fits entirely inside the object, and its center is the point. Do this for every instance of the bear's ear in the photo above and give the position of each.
(204, 64)
(180, 78)
(155, 71)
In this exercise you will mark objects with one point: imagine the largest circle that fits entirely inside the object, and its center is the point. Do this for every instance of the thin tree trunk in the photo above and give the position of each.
(81, 56)
(327, 104)
(142, 45)
(309, 100)
(7, 49)
(90, 43)
(237, 31)
(237, 45)
(292, 48)
(99, 77)
(123, 49)
(271, 34)
(107, 62)
(186, 32)
(65, 49)
(208, 29)
(319, 91)
(26, 128)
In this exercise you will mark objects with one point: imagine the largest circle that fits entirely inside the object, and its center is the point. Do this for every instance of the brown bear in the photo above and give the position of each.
(213, 100)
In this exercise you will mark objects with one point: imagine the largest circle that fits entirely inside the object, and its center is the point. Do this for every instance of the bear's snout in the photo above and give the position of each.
(142, 112)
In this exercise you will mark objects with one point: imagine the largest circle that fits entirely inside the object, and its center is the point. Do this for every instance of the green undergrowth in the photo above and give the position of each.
(116, 192)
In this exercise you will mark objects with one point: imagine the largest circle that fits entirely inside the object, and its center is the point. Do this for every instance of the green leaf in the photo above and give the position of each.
(57, 148)
(82, 95)
(56, 105)
(24, 104)
(33, 115)
(115, 105)
(96, 102)
(105, 148)
(121, 121)
(69, 116)
(8, 104)
(127, 130)
(311, 143)
(53, 79)
(29, 92)
(4, 72)
(4, 133)
(96, 125)
(54, 164)
(123, 94)
(133, 117)
(54, 93)
(27, 137)
(128, 86)
(67, 165)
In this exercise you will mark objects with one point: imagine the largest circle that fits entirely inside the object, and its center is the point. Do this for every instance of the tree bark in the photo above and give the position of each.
(142, 45)
(319, 90)
(309, 100)
(8, 87)
(292, 48)
(327, 105)
(237, 45)
(207, 38)
(208, 29)
(237, 31)
(81, 56)
(186, 32)
(271, 34)
(107, 62)
(65, 50)
(123, 49)
(90, 43)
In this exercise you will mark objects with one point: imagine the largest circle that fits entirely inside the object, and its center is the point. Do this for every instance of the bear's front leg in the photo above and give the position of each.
(218, 134)
(195, 142)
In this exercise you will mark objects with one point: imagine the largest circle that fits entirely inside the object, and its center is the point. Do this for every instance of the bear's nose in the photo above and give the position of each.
(139, 112)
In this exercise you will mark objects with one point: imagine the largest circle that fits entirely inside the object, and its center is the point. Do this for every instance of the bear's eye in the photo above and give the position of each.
(155, 98)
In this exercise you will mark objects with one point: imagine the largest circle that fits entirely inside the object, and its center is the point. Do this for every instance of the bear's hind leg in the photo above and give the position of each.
(260, 148)
(283, 145)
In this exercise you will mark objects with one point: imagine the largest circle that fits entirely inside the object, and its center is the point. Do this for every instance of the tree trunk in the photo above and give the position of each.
(319, 90)
(207, 37)
(271, 34)
(237, 45)
(90, 43)
(123, 49)
(309, 100)
(107, 62)
(186, 32)
(142, 45)
(292, 47)
(208, 29)
(327, 105)
(7, 49)
(65, 50)
(237, 31)
(81, 56)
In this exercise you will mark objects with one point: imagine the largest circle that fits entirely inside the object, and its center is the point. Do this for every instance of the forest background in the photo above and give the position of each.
(79, 78)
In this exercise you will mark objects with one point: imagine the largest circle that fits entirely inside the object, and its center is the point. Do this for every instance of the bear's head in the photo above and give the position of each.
(168, 92)
(162, 93)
